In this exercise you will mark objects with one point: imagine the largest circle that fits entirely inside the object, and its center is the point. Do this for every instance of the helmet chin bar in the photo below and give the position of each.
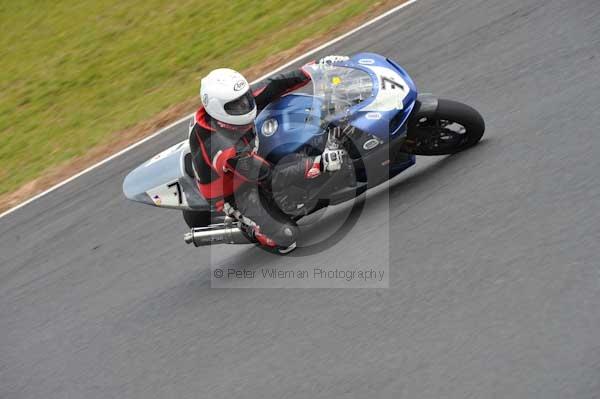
(233, 121)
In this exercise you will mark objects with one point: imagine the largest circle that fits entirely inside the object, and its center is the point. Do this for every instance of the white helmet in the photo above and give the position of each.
(226, 96)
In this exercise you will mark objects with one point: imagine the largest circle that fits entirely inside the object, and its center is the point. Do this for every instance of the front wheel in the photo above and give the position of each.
(453, 127)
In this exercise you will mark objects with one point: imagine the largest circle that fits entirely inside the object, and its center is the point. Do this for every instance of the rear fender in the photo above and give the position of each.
(166, 180)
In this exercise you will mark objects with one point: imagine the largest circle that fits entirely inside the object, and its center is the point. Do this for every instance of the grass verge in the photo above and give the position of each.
(79, 76)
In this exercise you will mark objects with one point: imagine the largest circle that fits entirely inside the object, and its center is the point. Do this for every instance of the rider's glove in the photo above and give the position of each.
(327, 62)
(332, 159)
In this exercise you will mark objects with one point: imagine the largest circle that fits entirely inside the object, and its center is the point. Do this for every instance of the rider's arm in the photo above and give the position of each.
(250, 167)
(243, 162)
(276, 86)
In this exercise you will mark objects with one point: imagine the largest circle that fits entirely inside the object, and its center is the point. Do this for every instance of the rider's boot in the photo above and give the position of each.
(283, 241)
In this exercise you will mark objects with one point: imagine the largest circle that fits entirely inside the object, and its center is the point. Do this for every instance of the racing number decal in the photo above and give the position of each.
(168, 195)
(392, 83)
(393, 89)
(178, 193)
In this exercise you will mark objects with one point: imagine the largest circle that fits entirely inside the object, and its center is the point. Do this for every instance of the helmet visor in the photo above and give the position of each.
(241, 105)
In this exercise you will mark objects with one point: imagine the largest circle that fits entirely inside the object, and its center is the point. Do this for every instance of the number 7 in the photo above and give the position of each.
(176, 184)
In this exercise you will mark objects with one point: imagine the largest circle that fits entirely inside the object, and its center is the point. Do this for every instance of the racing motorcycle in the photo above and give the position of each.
(371, 105)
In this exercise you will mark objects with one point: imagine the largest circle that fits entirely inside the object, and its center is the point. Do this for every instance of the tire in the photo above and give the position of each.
(197, 218)
(448, 111)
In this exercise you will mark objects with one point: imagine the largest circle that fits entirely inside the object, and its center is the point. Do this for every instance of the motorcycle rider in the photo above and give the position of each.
(224, 147)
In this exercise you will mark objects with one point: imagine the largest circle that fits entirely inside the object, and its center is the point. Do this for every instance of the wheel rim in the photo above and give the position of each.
(440, 135)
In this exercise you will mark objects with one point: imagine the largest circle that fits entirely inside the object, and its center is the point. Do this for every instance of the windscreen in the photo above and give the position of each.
(340, 88)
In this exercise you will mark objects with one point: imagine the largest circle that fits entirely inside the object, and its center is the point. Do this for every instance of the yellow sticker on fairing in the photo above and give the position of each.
(336, 80)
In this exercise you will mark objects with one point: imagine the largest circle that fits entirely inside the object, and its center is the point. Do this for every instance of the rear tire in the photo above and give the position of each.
(197, 218)
(422, 130)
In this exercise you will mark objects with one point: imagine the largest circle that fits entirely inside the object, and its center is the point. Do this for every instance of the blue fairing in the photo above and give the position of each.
(299, 115)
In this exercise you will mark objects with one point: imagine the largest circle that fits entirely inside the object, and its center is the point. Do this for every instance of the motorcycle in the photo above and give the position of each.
(379, 119)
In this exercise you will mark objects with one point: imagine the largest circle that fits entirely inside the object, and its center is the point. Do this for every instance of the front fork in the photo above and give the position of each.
(426, 106)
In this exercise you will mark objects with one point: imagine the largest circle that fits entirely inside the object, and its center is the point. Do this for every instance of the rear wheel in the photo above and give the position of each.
(452, 128)
(196, 218)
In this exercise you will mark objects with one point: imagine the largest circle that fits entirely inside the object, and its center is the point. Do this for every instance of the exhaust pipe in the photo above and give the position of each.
(215, 234)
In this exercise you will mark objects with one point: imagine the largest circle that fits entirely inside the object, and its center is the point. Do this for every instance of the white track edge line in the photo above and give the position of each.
(163, 129)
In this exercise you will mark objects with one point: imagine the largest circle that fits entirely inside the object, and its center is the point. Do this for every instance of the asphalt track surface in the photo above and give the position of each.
(495, 278)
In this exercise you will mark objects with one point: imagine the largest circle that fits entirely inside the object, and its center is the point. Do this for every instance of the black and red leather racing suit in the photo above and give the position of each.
(228, 169)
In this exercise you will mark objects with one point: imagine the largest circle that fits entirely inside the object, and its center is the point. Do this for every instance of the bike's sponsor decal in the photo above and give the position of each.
(370, 144)
(156, 199)
(239, 85)
(373, 115)
(269, 127)
(366, 61)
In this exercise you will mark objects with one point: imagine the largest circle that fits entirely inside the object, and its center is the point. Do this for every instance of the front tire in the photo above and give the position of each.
(452, 128)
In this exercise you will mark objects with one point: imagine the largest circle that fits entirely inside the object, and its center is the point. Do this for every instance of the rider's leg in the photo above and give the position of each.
(271, 223)
(296, 170)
